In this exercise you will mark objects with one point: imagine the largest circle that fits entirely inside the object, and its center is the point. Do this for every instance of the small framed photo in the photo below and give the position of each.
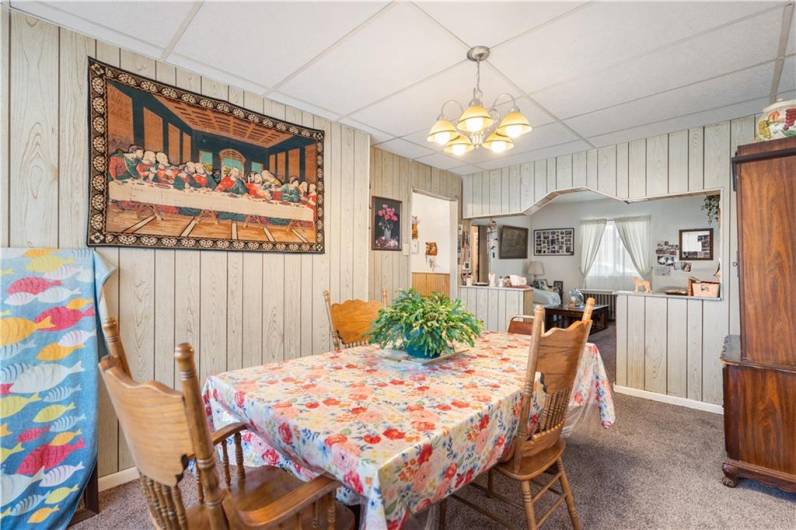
(386, 224)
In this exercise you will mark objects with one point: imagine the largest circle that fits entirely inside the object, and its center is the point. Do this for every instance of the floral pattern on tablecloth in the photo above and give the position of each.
(400, 436)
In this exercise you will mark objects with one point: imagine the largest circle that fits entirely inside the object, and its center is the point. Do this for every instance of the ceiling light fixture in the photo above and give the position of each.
(478, 126)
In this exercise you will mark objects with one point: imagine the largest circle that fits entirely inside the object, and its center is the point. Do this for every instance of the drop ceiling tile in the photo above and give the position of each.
(270, 40)
(441, 161)
(376, 136)
(697, 119)
(544, 136)
(537, 154)
(303, 105)
(216, 74)
(731, 48)
(404, 148)
(726, 90)
(398, 47)
(605, 33)
(489, 23)
(116, 23)
(418, 106)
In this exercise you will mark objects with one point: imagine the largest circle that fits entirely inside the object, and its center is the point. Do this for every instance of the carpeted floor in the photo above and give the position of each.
(658, 467)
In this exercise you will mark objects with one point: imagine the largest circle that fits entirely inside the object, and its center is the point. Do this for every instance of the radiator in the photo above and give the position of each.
(603, 297)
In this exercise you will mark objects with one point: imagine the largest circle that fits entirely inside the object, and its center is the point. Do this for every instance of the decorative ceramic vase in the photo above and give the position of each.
(778, 121)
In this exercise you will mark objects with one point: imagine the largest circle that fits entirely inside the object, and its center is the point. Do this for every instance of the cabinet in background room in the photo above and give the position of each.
(760, 364)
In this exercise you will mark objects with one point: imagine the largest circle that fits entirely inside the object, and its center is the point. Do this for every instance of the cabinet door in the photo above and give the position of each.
(767, 258)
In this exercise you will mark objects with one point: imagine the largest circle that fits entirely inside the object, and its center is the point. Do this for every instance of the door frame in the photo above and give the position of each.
(453, 234)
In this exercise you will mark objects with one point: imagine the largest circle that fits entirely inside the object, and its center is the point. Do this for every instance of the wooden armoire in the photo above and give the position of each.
(760, 364)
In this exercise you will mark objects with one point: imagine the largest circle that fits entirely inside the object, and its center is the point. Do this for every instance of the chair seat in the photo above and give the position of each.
(262, 486)
(533, 465)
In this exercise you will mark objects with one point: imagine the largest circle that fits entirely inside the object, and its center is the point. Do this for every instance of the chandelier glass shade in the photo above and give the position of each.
(478, 125)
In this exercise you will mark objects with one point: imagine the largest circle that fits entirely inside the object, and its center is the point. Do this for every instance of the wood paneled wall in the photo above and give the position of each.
(495, 306)
(237, 309)
(395, 177)
(665, 347)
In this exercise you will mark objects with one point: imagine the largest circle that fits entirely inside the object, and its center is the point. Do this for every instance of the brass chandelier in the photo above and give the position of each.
(478, 126)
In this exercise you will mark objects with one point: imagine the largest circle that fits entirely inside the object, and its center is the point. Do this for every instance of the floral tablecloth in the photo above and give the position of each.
(400, 436)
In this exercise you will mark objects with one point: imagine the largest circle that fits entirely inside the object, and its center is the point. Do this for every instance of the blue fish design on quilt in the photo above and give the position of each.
(48, 382)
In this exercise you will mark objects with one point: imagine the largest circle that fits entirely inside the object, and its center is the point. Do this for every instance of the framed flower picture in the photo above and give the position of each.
(386, 231)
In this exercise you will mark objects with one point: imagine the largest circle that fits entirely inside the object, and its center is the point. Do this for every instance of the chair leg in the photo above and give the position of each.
(490, 483)
(570, 500)
(443, 510)
(527, 500)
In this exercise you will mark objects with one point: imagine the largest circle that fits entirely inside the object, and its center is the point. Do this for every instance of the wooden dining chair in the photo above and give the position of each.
(521, 324)
(350, 320)
(538, 447)
(166, 429)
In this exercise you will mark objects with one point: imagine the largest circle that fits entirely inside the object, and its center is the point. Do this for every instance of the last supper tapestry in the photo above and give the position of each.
(174, 169)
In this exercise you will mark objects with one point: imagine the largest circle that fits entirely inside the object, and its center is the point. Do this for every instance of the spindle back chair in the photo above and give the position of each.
(350, 320)
(165, 429)
(538, 447)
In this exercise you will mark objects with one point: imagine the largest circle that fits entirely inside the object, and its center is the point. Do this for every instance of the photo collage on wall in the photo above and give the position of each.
(554, 242)
(666, 259)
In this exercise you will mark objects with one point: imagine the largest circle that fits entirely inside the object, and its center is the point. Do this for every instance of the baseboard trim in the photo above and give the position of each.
(671, 400)
(117, 479)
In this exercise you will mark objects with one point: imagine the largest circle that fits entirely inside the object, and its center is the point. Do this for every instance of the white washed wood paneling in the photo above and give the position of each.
(677, 347)
(237, 309)
(678, 162)
(394, 177)
(635, 341)
(662, 165)
(494, 306)
(591, 169)
(606, 170)
(637, 172)
(621, 339)
(579, 169)
(622, 168)
(657, 165)
(564, 172)
(655, 324)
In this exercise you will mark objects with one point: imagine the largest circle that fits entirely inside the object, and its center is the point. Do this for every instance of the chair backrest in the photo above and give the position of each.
(350, 320)
(555, 354)
(164, 429)
(521, 324)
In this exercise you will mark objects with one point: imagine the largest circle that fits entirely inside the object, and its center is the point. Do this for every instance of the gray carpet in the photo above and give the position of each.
(658, 467)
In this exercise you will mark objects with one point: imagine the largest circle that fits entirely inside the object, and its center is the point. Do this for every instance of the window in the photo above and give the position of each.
(612, 269)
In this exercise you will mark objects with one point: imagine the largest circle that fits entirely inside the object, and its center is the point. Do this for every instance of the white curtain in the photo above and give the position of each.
(612, 269)
(591, 233)
(634, 232)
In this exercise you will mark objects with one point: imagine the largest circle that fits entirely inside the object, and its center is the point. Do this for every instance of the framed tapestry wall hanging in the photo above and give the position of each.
(174, 169)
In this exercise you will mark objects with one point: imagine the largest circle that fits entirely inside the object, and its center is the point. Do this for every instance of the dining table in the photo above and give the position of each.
(399, 435)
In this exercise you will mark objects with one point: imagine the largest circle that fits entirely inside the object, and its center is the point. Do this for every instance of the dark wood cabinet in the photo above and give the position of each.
(760, 364)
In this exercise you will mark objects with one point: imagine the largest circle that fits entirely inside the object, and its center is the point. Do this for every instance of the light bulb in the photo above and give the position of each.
(513, 131)
(474, 124)
(498, 146)
(443, 138)
(459, 149)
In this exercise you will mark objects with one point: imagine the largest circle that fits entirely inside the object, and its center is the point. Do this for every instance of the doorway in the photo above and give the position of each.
(433, 263)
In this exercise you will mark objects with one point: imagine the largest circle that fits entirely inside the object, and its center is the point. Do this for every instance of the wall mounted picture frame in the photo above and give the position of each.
(513, 242)
(386, 233)
(696, 244)
(554, 242)
(170, 168)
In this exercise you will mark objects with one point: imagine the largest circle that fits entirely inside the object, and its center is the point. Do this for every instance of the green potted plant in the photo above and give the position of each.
(424, 327)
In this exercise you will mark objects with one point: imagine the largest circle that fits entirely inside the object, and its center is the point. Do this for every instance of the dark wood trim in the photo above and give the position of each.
(681, 257)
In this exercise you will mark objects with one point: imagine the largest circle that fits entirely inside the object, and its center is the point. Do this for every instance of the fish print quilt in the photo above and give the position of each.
(48, 382)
